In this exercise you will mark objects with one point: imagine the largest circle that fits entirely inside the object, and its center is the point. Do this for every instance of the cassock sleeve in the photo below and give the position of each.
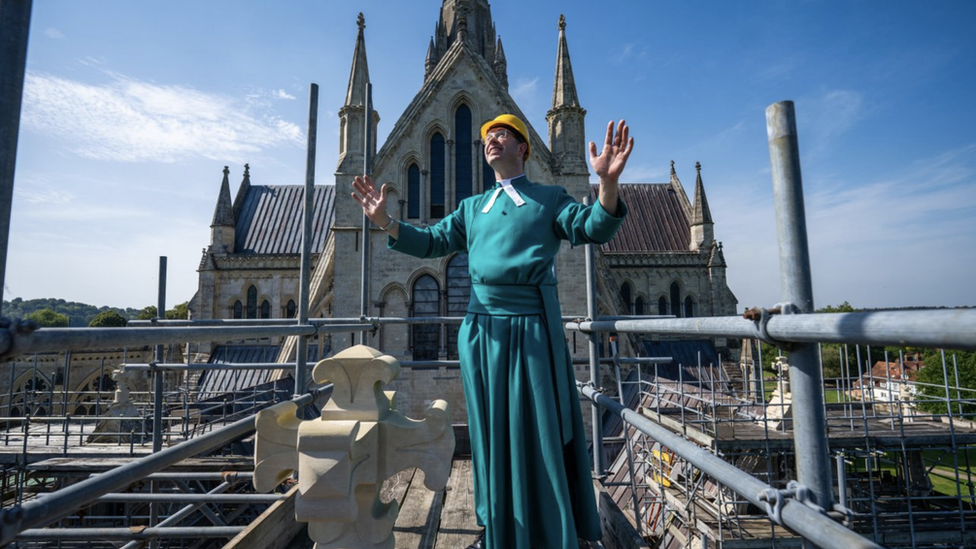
(447, 236)
(581, 224)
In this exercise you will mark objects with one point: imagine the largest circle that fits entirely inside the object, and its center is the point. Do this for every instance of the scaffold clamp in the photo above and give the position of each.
(760, 316)
(775, 500)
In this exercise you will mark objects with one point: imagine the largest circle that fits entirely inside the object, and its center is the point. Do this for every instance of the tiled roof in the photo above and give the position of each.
(656, 222)
(270, 219)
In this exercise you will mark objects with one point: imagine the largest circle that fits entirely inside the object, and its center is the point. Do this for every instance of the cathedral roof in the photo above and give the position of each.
(270, 219)
(657, 220)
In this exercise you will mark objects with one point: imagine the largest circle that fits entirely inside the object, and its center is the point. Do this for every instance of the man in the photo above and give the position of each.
(532, 484)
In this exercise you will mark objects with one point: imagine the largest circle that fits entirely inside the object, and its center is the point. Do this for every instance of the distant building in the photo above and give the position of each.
(664, 260)
(890, 382)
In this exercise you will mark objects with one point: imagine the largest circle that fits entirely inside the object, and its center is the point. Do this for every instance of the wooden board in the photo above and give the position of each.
(459, 526)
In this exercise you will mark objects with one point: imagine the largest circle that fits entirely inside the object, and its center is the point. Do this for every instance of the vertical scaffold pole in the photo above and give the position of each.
(809, 433)
(14, 29)
(367, 160)
(591, 311)
(301, 351)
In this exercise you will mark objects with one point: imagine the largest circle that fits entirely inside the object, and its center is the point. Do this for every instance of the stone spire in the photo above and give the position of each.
(431, 60)
(501, 65)
(242, 190)
(359, 75)
(564, 87)
(222, 228)
(352, 115)
(702, 233)
(224, 212)
(468, 21)
(566, 118)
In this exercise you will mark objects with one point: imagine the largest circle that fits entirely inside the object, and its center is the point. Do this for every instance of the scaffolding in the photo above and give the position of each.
(701, 460)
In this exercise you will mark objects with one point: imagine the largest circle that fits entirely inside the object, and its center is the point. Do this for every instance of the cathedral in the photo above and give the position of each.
(664, 260)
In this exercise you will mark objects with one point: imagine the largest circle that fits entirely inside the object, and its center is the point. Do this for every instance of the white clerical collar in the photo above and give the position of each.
(505, 184)
(508, 182)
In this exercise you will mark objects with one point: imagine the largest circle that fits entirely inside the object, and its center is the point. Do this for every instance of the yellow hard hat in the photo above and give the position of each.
(513, 123)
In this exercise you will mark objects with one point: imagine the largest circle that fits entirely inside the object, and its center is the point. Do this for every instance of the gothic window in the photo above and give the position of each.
(413, 191)
(95, 396)
(265, 309)
(426, 302)
(676, 299)
(662, 306)
(639, 306)
(487, 173)
(238, 309)
(689, 307)
(437, 176)
(625, 297)
(252, 302)
(33, 396)
(290, 309)
(463, 178)
(458, 292)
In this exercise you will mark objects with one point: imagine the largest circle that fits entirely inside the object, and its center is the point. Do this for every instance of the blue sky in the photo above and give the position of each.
(132, 109)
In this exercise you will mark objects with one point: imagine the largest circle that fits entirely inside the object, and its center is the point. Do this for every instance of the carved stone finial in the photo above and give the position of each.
(247, 170)
(672, 166)
(226, 170)
(361, 21)
(343, 457)
(698, 167)
(562, 22)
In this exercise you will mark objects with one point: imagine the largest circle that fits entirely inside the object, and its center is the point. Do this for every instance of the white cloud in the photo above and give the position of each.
(524, 89)
(53, 33)
(282, 94)
(43, 196)
(132, 121)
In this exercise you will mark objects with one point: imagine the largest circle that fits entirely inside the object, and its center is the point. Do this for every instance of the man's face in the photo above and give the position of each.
(503, 147)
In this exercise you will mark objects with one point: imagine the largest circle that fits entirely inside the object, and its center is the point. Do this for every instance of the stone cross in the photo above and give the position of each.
(343, 458)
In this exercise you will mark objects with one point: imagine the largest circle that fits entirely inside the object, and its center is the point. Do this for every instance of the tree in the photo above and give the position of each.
(179, 312)
(48, 318)
(933, 376)
(108, 319)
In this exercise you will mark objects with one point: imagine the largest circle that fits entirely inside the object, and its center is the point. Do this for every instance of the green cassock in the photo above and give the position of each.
(532, 482)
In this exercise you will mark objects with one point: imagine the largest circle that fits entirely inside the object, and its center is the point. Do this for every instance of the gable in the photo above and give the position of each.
(270, 219)
(461, 76)
(657, 220)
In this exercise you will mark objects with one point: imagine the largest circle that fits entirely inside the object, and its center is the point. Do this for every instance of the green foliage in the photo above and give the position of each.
(844, 307)
(180, 312)
(47, 318)
(934, 375)
(108, 319)
(78, 314)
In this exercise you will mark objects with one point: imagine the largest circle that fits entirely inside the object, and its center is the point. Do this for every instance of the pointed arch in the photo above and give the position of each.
(626, 291)
(252, 302)
(425, 301)
(413, 191)
(690, 306)
(675, 291)
(438, 157)
(32, 395)
(640, 305)
(265, 309)
(463, 154)
(662, 306)
(458, 294)
(94, 395)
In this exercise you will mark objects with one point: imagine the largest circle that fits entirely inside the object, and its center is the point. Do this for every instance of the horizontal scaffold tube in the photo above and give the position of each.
(181, 532)
(145, 497)
(805, 521)
(56, 505)
(77, 339)
(942, 328)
